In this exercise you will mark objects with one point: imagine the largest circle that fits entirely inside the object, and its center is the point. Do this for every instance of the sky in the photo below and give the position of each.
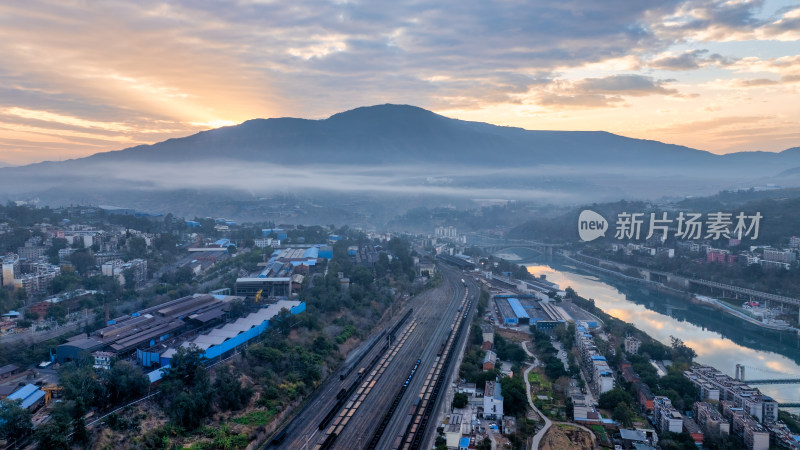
(79, 77)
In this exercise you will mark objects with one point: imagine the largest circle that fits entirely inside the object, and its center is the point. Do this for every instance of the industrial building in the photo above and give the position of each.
(222, 340)
(511, 311)
(30, 397)
(282, 275)
(145, 328)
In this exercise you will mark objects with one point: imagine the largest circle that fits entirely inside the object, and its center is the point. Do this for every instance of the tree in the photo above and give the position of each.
(362, 276)
(460, 400)
(609, 400)
(283, 321)
(53, 435)
(125, 381)
(485, 444)
(186, 388)
(515, 401)
(82, 260)
(52, 252)
(15, 421)
(681, 351)
(623, 414)
(229, 392)
(81, 383)
(137, 247)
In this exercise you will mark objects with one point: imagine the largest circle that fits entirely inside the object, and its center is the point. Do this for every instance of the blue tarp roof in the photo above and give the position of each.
(464, 442)
(29, 394)
(598, 358)
(519, 311)
(23, 392)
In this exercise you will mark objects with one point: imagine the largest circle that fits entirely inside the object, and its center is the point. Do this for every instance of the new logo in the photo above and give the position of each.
(591, 225)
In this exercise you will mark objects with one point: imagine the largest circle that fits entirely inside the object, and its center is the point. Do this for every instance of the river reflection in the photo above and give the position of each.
(720, 340)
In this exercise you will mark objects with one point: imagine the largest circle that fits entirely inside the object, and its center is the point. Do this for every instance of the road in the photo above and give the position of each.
(537, 439)
(355, 423)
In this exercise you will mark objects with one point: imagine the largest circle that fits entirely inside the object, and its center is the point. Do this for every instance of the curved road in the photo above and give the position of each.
(537, 439)
(547, 422)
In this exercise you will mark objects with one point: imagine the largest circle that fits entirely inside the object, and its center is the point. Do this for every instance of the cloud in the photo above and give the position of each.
(712, 125)
(633, 85)
(756, 82)
(156, 70)
(725, 21)
(605, 92)
(688, 60)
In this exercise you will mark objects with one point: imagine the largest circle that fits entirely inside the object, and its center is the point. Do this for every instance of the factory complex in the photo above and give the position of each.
(154, 334)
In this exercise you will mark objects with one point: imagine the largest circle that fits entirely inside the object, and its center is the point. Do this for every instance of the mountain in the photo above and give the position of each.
(401, 134)
(388, 152)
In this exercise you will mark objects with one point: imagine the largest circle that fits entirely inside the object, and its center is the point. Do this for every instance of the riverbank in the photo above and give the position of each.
(681, 293)
(721, 306)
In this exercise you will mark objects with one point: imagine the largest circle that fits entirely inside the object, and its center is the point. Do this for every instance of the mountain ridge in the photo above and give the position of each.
(390, 127)
(390, 150)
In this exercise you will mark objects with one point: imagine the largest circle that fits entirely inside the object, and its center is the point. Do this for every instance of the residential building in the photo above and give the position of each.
(691, 427)
(783, 256)
(710, 420)
(595, 366)
(446, 232)
(493, 401)
(11, 269)
(488, 337)
(775, 265)
(266, 242)
(632, 345)
(715, 385)
(39, 280)
(135, 268)
(489, 360)
(755, 435)
(666, 417)
(645, 396)
(102, 360)
(31, 252)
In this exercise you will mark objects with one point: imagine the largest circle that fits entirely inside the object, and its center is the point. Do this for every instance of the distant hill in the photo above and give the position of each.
(391, 150)
(790, 172)
(401, 134)
(780, 209)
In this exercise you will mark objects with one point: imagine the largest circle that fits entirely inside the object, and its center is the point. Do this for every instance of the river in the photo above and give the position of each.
(720, 340)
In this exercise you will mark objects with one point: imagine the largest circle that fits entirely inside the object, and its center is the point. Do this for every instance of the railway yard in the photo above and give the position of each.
(386, 394)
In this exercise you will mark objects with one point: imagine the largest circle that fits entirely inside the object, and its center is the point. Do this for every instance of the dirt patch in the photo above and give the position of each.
(513, 335)
(560, 437)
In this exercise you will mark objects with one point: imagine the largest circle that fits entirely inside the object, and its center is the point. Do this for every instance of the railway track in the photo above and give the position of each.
(415, 431)
(341, 420)
(383, 396)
